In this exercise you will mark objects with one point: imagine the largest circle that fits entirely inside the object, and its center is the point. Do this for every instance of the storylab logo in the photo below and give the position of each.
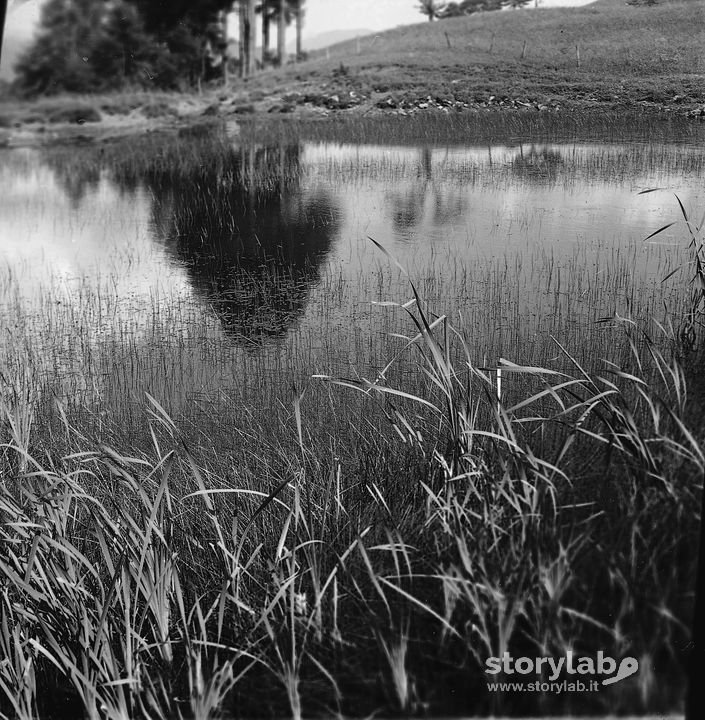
(563, 674)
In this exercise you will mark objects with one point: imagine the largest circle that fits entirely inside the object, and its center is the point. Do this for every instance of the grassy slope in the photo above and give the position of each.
(643, 59)
(628, 54)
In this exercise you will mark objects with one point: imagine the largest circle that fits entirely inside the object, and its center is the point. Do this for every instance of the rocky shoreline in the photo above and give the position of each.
(87, 121)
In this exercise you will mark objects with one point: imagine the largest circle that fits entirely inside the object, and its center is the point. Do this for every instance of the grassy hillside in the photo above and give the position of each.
(608, 60)
(602, 53)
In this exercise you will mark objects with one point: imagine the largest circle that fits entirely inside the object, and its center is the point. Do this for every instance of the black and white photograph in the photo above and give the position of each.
(351, 359)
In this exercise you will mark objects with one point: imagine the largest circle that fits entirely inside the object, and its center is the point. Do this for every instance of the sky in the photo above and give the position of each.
(324, 15)
(321, 16)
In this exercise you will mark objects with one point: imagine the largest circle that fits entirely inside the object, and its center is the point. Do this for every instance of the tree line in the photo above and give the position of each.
(439, 9)
(99, 45)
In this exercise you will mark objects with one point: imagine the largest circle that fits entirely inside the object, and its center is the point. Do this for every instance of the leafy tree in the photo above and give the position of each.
(186, 28)
(93, 45)
(431, 8)
(468, 7)
(62, 56)
(128, 54)
(161, 17)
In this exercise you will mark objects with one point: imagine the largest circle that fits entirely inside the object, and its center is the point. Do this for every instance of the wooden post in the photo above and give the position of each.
(523, 50)
(491, 44)
(577, 54)
(447, 39)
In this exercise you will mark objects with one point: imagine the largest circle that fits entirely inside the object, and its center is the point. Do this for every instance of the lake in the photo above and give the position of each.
(263, 261)
(168, 306)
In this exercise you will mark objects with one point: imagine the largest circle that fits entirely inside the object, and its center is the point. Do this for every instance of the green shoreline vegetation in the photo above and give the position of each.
(358, 546)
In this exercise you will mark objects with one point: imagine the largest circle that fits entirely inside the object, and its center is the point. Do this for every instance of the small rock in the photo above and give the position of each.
(246, 109)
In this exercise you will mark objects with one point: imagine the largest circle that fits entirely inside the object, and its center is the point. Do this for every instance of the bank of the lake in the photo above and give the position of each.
(604, 60)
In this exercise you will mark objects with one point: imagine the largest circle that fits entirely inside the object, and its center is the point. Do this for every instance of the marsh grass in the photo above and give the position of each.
(473, 126)
(191, 525)
(157, 585)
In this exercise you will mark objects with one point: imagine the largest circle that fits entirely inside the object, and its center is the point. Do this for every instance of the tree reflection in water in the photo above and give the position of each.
(251, 240)
(408, 207)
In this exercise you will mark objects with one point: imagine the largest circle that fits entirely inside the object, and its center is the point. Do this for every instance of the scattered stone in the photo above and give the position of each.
(78, 115)
(281, 108)
(244, 109)
(158, 109)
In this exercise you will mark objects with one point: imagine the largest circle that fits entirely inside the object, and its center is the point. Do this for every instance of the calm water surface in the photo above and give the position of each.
(520, 242)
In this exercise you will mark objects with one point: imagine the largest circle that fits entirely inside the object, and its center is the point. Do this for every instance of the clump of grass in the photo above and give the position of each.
(690, 327)
(471, 126)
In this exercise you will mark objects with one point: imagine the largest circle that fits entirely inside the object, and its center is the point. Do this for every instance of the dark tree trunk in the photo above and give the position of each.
(3, 11)
(281, 32)
(299, 29)
(243, 38)
(250, 37)
(224, 31)
(265, 32)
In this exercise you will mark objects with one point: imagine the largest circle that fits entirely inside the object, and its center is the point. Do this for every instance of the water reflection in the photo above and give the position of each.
(236, 221)
(426, 198)
(249, 235)
(252, 249)
(537, 162)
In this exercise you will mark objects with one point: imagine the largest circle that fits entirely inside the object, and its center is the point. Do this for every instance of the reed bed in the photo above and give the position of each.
(199, 519)
(474, 126)
(371, 572)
